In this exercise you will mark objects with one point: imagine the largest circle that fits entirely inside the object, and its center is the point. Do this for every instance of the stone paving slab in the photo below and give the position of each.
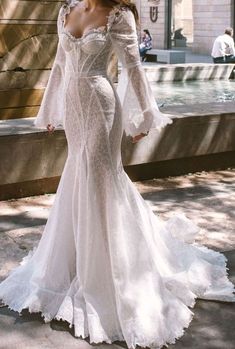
(30, 332)
(207, 198)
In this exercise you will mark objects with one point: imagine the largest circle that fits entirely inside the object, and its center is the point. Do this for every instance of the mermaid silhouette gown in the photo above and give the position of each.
(106, 263)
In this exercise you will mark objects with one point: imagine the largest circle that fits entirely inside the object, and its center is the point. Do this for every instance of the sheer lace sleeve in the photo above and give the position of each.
(51, 110)
(140, 110)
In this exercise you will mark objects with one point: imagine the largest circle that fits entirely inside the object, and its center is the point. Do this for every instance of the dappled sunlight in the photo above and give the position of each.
(11, 207)
(11, 255)
(220, 241)
(26, 54)
(14, 245)
(27, 50)
(26, 238)
(205, 198)
(94, 232)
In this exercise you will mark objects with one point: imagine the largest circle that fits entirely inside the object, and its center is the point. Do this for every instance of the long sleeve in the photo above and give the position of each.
(51, 110)
(140, 110)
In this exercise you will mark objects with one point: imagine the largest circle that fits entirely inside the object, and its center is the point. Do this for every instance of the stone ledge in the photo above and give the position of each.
(199, 134)
(197, 130)
(185, 72)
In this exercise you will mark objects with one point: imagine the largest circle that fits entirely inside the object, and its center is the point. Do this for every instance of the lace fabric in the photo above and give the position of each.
(104, 28)
(106, 263)
(139, 111)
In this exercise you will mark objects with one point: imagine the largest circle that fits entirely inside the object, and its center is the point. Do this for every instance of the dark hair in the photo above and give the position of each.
(129, 4)
(229, 31)
(147, 32)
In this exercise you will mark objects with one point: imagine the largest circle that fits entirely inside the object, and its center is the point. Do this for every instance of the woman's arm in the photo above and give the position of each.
(140, 109)
(50, 114)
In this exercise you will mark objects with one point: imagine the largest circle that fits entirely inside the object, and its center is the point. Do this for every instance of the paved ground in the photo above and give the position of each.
(207, 198)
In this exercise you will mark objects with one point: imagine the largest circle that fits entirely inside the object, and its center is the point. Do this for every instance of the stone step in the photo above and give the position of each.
(186, 72)
(201, 137)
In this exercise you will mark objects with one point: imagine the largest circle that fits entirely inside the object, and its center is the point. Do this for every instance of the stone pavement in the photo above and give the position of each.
(207, 198)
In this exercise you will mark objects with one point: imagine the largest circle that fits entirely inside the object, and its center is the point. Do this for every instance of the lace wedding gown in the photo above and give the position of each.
(105, 262)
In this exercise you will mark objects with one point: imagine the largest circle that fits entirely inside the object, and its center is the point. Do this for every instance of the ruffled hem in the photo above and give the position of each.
(176, 273)
(81, 330)
(62, 307)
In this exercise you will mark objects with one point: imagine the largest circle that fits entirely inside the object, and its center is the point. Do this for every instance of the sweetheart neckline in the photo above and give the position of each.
(92, 30)
(97, 29)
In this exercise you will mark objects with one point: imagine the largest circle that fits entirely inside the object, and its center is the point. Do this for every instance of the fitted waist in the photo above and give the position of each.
(86, 74)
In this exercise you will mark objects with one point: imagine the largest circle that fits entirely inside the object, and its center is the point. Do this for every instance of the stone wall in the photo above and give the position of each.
(28, 39)
(157, 29)
(211, 17)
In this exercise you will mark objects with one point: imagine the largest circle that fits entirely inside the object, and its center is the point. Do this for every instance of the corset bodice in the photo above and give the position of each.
(88, 55)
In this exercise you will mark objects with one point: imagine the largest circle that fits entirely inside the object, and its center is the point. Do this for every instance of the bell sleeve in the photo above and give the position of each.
(140, 109)
(51, 110)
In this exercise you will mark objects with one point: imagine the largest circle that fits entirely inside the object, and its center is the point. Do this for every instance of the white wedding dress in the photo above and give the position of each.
(106, 263)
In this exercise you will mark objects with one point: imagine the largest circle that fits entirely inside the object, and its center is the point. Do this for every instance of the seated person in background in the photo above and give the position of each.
(178, 34)
(146, 44)
(223, 49)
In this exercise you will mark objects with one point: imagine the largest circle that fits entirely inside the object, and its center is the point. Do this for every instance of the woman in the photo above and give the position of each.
(146, 44)
(105, 263)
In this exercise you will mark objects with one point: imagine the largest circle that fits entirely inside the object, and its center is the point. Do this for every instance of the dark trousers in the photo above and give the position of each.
(143, 52)
(226, 59)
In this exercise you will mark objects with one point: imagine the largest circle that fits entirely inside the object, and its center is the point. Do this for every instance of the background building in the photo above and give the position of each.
(28, 40)
(186, 23)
